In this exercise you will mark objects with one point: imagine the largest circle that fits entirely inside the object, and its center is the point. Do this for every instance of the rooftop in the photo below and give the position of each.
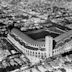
(63, 36)
(27, 38)
(41, 43)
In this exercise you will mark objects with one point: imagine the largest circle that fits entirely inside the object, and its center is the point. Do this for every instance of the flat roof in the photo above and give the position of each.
(27, 38)
(63, 36)
(39, 43)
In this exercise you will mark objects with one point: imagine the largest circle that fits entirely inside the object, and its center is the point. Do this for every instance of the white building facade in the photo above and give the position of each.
(35, 50)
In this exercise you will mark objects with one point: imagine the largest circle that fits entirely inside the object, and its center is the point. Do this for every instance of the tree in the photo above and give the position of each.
(62, 69)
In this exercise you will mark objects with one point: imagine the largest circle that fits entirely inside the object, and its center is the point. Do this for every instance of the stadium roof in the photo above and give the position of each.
(27, 38)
